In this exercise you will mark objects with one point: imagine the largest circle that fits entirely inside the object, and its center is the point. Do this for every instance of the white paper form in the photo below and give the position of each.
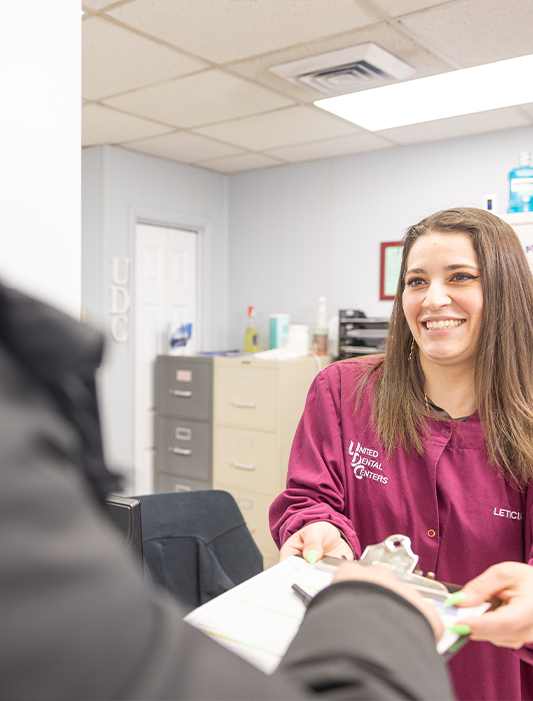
(259, 618)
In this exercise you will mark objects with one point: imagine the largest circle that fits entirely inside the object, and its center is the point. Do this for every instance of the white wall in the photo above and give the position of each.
(298, 232)
(277, 238)
(40, 85)
(119, 189)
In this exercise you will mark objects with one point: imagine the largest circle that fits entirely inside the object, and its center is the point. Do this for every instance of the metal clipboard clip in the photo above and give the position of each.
(395, 552)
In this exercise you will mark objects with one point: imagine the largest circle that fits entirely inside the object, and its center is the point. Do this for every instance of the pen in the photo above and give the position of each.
(303, 595)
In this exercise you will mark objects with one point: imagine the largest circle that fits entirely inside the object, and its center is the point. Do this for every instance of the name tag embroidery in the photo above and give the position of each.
(505, 513)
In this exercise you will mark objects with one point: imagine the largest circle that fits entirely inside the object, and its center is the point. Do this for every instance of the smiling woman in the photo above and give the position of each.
(447, 416)
(443, 304)
(463, 265)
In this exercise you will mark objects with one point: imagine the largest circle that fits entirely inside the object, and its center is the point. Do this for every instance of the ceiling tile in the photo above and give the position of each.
(453, 127)
(331, 148)
(184, 147)
(474, 32)
(385, 35)
(396, 8)
(156, 90)
(116, 60)
(203, 98)
(228, 30)
(96, 5)
(291, 126)
(101, 125)
(239, 164)
(528, 109)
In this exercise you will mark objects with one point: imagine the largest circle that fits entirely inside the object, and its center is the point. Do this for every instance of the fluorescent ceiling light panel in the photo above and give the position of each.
(466, 91)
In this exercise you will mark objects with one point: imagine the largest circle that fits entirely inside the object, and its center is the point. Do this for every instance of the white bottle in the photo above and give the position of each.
(333, 336)
(320, 329)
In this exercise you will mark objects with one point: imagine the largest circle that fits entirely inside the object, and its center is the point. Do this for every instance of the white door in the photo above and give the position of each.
(522, 223)
(165, 298)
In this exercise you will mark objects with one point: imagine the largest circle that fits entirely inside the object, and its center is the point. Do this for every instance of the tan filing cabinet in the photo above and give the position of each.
(257, 407)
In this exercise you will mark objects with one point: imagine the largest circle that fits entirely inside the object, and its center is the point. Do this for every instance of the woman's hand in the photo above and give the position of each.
(315, 541)
(510, 625)
(382, 575)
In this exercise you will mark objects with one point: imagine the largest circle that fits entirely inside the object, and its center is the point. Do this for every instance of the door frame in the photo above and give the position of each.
(203, 228)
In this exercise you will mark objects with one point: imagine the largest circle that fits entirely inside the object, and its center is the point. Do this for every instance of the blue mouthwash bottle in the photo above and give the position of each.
(521, 186)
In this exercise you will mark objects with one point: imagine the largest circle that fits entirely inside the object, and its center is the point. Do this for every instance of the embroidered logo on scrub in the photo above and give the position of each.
(364, 461)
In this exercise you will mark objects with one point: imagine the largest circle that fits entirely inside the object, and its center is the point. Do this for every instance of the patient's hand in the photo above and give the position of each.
(382, 575)
(315, 541)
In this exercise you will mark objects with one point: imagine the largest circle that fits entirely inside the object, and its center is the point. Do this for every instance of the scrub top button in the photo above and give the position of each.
(431, 533)
(445, 432)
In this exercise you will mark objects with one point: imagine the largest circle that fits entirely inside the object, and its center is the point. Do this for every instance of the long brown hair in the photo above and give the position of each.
(503, 377)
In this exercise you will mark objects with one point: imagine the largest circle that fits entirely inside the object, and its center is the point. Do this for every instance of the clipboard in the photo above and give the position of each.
(259, 618)
(396, 553)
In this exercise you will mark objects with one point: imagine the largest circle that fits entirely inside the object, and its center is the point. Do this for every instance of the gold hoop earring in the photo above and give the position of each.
(411, 350)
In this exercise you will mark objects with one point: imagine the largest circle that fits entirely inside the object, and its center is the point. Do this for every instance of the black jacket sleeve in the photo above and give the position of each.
(77, 620)
(361, 641)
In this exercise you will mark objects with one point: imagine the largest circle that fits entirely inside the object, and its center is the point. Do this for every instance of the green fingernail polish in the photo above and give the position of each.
(460, 629)
(312, 556)
(455, 598)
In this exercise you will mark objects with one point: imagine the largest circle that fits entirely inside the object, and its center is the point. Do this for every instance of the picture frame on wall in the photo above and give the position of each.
(391, 261)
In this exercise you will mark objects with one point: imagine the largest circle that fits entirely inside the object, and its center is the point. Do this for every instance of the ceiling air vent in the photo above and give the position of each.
(345, 70)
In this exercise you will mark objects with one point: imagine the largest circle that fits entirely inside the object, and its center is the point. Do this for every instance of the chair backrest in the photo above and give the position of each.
(125, 513)
(197, 544)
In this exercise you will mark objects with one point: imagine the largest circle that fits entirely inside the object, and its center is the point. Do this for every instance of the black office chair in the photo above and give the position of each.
(125, 513)
(196, 544)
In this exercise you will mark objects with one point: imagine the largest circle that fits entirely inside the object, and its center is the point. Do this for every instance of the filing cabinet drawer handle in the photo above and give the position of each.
(242, 466)
(180, 451)
(244, 405)
(180, 393)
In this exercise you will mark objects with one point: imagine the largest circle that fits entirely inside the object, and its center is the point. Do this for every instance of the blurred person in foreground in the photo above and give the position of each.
(77, 620)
